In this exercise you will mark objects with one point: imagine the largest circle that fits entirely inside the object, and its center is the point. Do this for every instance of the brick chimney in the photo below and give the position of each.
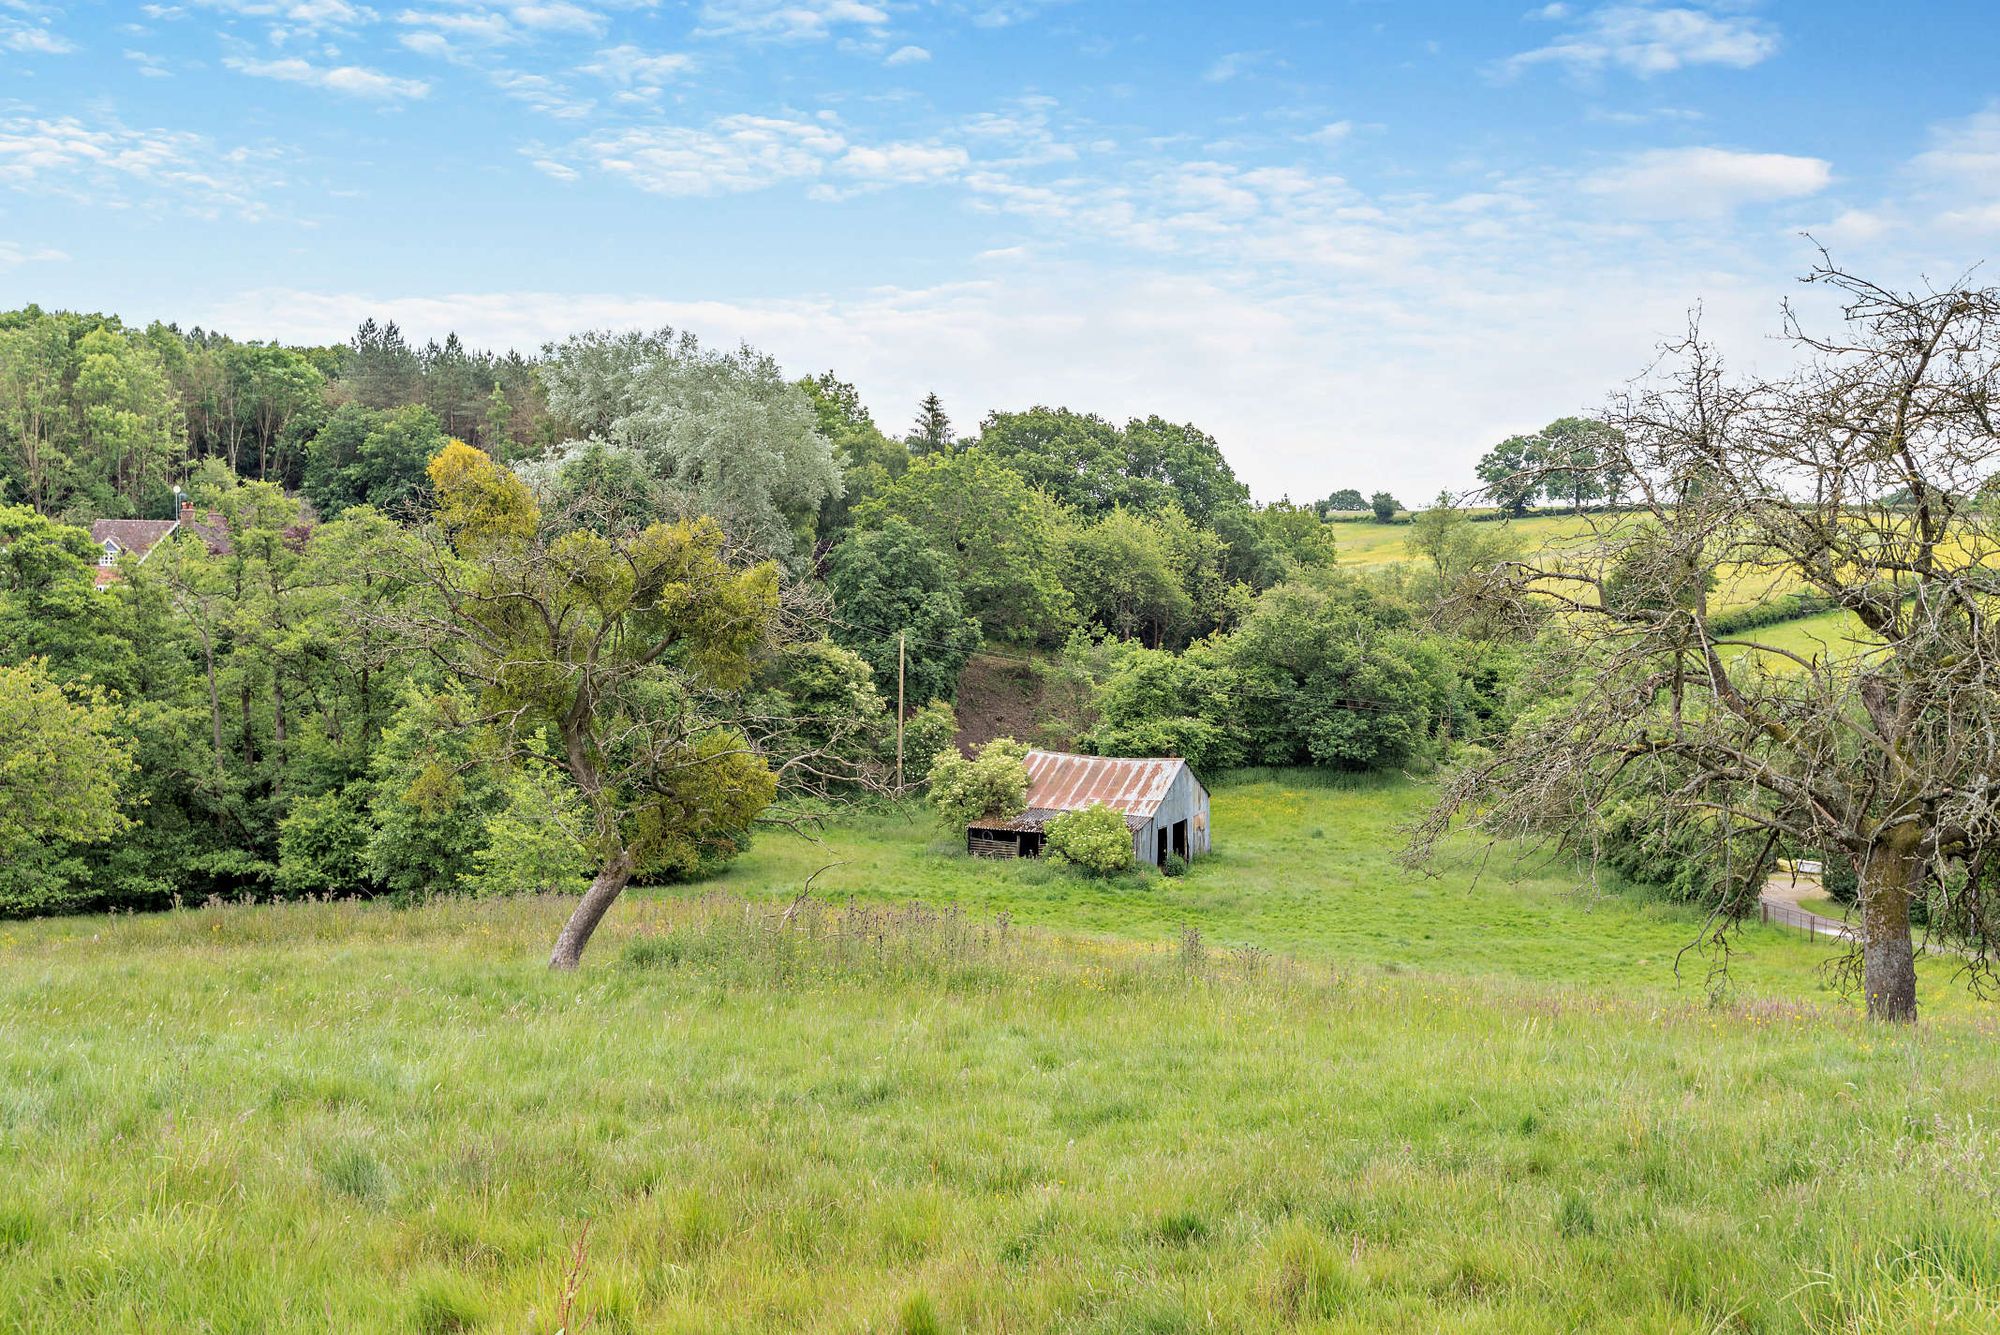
(187, 512)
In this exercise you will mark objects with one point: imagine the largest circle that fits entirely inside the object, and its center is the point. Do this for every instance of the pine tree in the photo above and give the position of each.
(931, 433)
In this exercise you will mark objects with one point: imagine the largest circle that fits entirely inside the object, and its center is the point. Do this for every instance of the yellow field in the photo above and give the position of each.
(1363, 544)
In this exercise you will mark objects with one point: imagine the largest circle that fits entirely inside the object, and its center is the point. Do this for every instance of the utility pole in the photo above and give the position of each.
(900, 638)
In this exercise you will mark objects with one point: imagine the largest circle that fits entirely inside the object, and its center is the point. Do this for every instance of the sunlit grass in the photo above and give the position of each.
(1307, 863)
(1364, 544)
(353, 1118)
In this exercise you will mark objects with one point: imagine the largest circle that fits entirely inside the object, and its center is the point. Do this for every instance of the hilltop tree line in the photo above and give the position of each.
(98, 420)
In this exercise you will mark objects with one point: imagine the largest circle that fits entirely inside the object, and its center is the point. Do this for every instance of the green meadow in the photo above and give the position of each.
(1306, 864)
(1299, 1088)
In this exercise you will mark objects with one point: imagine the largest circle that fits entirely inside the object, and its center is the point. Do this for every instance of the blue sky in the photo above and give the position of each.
(1357, 241)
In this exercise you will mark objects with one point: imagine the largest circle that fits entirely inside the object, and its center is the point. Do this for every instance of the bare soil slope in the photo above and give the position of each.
(997, 697)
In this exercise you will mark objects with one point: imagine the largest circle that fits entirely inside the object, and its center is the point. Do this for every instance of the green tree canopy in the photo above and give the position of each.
(63, 761)
(932, 432)
(1347, 500)
(1512, 472)
(1127, 577)
(890, 581)
(869, 461)
(998, 533)
(726, 433)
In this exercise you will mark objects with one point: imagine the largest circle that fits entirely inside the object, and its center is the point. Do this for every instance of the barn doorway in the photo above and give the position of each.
(1180, 840)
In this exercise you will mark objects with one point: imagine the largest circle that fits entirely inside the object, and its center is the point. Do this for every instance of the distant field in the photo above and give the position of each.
(1363, 544)
(1830, 634)
(338, 1118)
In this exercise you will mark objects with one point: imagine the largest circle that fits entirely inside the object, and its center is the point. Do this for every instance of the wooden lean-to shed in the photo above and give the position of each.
(1164, 805)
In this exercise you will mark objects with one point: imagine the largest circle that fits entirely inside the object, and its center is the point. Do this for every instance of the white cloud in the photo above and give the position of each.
(904, 163)
(628, 66)
(427, 43)
(288, 18)
(31, 39)
(148, 65)
(1853, 227)
(1231, 64)
(13, 254)
(1645, 40)
(1361, 387)
(738, 154)
(108, 165)
(559, 16)
(1335, 133)
(1965, 153)
(733, 155)
(906, 55)
(354, 80)
(543, 94)
(483, 26)
(786, 20)
(1959, 173)
(1706, 182)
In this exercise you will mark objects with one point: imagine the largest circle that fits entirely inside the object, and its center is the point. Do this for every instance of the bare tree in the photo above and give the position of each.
(1870, 475)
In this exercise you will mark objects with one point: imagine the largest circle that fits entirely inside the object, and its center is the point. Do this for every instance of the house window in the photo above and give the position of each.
(110, 555)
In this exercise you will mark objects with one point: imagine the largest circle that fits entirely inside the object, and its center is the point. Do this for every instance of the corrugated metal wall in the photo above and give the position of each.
(1186, 800)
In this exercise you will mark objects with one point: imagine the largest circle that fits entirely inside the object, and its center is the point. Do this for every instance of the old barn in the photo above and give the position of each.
(1164, 805)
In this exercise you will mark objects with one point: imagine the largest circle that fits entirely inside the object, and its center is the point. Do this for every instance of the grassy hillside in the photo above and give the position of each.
(341, 1118)
(1830, 634)
(1306, 864)
(1364, 543)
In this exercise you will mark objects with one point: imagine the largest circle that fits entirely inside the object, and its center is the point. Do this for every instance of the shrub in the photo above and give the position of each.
(432, 796)
(1095, 839)
(1777, 611)
(38, 882)
(927, 733)
(831, 709)
(323, 846)
(534, 844)
(992, 785)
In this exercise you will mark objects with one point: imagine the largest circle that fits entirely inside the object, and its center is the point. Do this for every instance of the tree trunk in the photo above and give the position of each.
(590, 911)
(214, 703)
(1888, 960)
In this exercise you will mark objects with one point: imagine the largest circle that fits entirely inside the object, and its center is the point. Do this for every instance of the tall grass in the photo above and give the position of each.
(776, 1114)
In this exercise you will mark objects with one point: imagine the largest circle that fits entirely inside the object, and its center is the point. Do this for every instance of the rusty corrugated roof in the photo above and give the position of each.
(1060, 782)
(1035, 818)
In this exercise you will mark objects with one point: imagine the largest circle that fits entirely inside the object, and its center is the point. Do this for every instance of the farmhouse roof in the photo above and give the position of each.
(140, 536)
(137, 536)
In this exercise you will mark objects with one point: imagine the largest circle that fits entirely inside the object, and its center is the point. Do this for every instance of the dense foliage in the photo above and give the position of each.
(1095, 839)
(989, 785)
(370, 655)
